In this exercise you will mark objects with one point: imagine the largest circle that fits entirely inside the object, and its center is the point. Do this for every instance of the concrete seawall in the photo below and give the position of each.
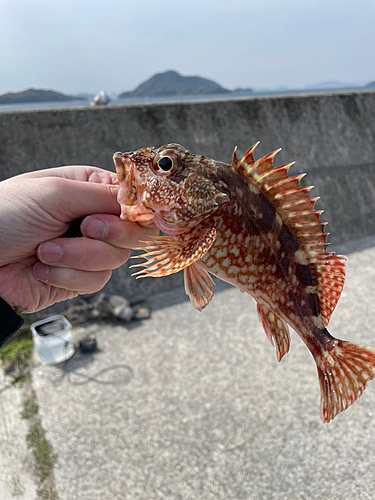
(318, 131)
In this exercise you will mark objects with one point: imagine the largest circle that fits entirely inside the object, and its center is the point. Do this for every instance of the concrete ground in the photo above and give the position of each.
(188, 405)
(16, 480)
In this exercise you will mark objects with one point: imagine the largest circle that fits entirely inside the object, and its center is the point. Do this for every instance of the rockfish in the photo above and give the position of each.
(251, 225)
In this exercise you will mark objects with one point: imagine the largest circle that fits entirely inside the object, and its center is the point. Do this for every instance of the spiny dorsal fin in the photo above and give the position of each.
(297, 210)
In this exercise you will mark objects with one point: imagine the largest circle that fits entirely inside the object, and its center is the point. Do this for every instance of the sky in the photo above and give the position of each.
(75, 46)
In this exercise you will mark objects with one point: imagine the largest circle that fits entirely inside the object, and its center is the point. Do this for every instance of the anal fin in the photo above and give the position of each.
(198, 286)
(276, 329)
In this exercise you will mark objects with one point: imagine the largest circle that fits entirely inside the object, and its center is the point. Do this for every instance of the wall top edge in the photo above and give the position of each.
(262, 97)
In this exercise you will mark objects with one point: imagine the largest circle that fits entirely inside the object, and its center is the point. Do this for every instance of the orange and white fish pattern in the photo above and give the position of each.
(252, 225)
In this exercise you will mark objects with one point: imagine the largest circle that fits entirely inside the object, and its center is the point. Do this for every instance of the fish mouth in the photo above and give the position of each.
(129, 196)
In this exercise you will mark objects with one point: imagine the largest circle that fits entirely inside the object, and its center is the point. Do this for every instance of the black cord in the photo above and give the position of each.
(94, 378)
(119, 381)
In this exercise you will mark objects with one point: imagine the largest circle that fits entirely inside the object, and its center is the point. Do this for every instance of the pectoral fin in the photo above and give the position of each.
(167, 255)
(276, 330)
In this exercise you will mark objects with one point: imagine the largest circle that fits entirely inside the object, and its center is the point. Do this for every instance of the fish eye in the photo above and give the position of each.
(165, 163)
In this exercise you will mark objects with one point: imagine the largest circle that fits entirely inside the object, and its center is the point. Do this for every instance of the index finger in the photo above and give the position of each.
(86, 173)
(117, 232)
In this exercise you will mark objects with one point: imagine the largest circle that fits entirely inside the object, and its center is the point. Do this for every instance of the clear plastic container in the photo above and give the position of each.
(53, 339)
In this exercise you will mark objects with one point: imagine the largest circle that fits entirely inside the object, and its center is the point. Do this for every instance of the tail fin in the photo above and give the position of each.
(344, 370)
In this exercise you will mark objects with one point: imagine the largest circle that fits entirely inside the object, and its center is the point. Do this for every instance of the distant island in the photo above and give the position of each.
(171, 83)
(34, 95)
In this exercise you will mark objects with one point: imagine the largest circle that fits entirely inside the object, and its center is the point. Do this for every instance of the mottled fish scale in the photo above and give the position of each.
(272, 272)
(253, 226)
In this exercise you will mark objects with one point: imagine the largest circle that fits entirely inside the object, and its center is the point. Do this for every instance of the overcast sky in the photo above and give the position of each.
(88, 45)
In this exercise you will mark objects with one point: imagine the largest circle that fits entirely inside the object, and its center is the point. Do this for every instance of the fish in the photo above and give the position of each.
(252, 225)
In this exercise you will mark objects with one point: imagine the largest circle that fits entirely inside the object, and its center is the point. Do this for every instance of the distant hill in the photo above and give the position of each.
(241, 92)
(172, 83)
(332, 85)
(370, 85)
(34, 95)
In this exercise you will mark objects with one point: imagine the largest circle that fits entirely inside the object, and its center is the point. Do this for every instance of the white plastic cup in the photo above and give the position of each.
(53, 339)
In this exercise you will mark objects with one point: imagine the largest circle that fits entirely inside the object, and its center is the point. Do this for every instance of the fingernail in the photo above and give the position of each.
(41, 272)
(94, 228)
(49, 252)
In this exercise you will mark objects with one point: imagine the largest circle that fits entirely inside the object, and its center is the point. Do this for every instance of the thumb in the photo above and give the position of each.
(73, 199)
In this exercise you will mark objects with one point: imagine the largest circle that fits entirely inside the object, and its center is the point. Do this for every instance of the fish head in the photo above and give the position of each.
(168, 186)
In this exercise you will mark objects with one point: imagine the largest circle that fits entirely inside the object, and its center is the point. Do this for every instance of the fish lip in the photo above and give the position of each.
(134, 213)
(121, 161)
(117, 155)
(120, 158)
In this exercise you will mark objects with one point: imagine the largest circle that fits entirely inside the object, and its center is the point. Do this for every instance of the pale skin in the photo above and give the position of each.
(38, 265)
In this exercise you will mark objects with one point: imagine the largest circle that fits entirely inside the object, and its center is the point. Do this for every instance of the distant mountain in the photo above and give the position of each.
(34, 95)
(333, 85)
(370, 85)
(241, 92)
(172, 83)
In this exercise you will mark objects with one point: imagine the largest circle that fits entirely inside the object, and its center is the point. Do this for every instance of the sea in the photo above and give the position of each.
(84, 103)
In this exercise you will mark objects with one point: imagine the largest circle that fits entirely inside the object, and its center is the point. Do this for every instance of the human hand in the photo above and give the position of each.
(38, 266)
